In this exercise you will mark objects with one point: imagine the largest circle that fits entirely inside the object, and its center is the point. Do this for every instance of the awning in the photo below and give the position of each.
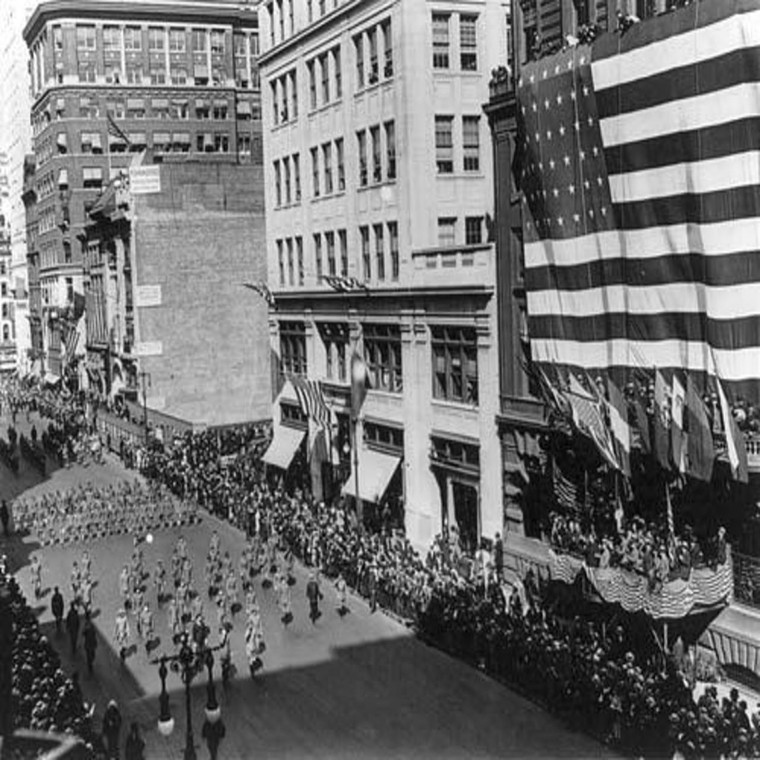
(159, 103)
(51, 379)
(284, 446)
(244, 108)
(375, 472)
(134, 104)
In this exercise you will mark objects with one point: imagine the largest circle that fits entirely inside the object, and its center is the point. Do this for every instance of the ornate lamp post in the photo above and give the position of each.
(188, 662)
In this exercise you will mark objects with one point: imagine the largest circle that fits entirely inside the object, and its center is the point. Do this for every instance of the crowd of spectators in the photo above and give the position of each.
(44, 697)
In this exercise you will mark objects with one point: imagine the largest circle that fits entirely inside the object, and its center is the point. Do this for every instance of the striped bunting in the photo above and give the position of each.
(640, 166)
(312, 400)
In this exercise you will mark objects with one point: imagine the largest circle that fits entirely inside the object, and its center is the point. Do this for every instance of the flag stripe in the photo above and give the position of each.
(729, 67)
(740, 135)
(726, 335)
(715, 271)
(688, 49)
(698, 112)
(704, 176)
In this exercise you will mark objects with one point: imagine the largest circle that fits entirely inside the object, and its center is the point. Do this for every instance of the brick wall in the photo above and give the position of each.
(200, 238)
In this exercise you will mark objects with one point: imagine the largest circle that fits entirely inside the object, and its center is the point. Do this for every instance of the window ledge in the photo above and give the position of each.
(324, 107)
(372, 87)
(327, 196)
(375, 185)
(460, 406)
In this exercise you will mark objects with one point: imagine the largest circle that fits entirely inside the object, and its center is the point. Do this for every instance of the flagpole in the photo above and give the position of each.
(359, 502)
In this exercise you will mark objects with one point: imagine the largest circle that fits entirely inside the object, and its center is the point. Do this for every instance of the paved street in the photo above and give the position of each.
(361, 686)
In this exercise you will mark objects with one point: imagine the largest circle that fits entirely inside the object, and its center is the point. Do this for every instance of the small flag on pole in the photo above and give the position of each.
(115, 130)
(263, 290)
(345, 284)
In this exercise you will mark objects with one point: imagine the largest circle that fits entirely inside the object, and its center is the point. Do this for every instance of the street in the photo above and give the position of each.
(358, 686)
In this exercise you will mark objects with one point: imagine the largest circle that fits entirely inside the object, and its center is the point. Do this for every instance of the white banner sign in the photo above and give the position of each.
(152, 348)
(144, 180)
(148, 295)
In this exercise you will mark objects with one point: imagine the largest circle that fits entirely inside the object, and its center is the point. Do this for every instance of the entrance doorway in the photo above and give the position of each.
(466, 513)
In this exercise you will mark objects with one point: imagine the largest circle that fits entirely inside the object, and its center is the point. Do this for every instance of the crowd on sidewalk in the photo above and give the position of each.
(638, 702)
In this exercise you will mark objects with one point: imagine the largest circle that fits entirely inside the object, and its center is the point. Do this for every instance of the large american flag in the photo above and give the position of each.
(312, 400)
(639, 157)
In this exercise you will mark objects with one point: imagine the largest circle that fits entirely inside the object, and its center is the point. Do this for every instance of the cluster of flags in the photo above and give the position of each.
(263, 290)
(345, 284)
(680, 436)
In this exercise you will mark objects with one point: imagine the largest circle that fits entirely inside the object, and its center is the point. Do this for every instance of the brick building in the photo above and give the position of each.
(375, 155)
(164, 274)
(178, 79)
(7, 304)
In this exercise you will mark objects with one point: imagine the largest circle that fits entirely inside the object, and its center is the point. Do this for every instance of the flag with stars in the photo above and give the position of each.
(638, 161)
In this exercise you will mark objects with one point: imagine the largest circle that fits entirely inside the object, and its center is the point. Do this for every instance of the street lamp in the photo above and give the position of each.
(188, 662)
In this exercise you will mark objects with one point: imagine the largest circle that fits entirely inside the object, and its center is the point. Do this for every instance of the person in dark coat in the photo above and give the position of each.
(5, 518)
(72, 626)
(313, 594)
(56, 606)
(213, 733)
(498, 556)
(90, 642)
(111, 729)
(135, 746)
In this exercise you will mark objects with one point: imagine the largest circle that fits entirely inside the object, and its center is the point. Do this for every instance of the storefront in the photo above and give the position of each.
(286, 454)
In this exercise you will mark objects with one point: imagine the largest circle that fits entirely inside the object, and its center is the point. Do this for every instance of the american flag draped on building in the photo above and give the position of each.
(641, 188)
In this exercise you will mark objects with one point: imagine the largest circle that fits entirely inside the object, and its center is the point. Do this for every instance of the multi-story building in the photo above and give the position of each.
(176, 78)
(378, 169)
(166, 311)
(16, 143)
(7, 325)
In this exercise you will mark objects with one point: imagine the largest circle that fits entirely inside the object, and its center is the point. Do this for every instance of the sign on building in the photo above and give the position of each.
(149, 348)
(144, 180)
(148, 295)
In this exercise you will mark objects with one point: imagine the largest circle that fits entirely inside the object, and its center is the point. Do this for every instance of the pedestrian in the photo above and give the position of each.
(160, 580)
(284, 597)
(72, 626)
(5, 518)
(213, 733)
(124, 585)
(112, 728)
(175, 622)
(86, 565)
(90, 639)
(313, 594)
(121, 633)
(146, 626)
(57, 606)
(341, 589)
(76, 581)
(498, 556)
(86, 590)
(36, 571)
(135, 747)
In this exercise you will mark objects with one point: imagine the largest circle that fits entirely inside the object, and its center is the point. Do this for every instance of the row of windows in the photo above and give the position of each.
(324, 155)
(454, 355)
(292, 249)
(375, 144)
(325, 78)
(468, 41)
(287, 180)
(325, 262)
(444, 144)
(285, 16)
(367, 46)
(285, 98)
(449, 234)
(374, 253)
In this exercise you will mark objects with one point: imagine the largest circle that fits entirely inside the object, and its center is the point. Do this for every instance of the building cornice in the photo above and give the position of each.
(455, 289)
(165, 12)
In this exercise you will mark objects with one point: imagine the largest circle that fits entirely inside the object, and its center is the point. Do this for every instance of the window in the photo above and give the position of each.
(294, 93)
(275, 106)
(92, 177)
(390, 150)
(393, 242)
(181, 143)
(293, 348)
(177, 42)
(330, 244)
(359, 51)
(289, 245)
(217, 42)
(132, 38)
(244, 145)
(199, 40)
(286, 173)
(340, 164)
(444, 144)
(220, 110)
(202, 110)
(343, 243)
(134, 74)
(455, 364)
(388, 49)
(312, 85)
(382, 353)
(366, 260)
(379, 252)
(374, 68)
(471, 143)
(447, 231)
(299, 256)
(473, 230)
(85, 38)
(88, 109)
(158, 74)
(327, 166)
(156, 40)
(62, 143)
(86, 71)
(325, 69)
(162, 142)
(377, 161)
(91, 142)
(468, 43)
(384, 437)
(318, 257)
(277, 184)
(315, 171)
(440, 41)
(297, 176)
(111, 39)
(178, 75)
(337, 73)
(335, 340)
(361, 139)
(284, 115)
(57, 38)
(281, 262)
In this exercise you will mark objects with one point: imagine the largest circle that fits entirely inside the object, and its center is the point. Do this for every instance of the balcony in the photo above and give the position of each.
(751, 444)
